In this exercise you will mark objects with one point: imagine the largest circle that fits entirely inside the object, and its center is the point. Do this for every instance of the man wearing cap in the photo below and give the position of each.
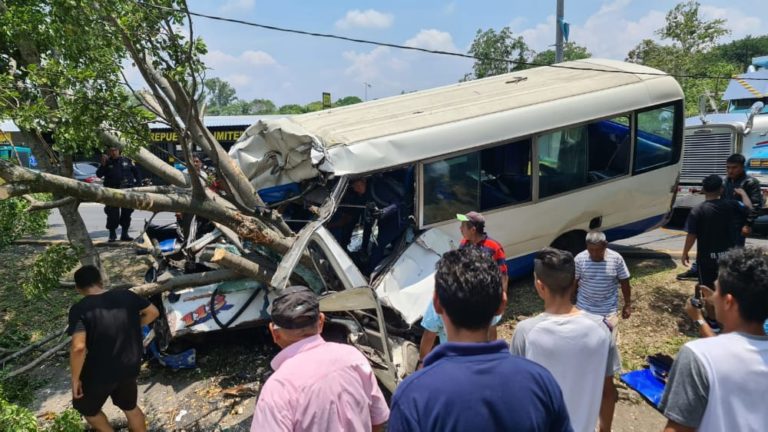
(473, 234)
(317, 385)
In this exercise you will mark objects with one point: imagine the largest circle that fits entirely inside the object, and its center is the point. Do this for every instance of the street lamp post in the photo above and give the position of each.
(367, 86)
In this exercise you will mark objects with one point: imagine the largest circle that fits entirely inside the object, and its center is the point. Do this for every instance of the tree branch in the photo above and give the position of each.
(186, 281)
(36, 205)
(148, 160)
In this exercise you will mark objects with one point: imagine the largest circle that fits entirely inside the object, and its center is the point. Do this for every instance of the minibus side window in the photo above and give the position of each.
(576, 157)
(451, 186)
(655, 139)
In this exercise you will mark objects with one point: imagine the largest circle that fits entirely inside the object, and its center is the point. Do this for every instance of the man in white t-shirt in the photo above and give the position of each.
(575, 346)
(599, 274)
(719, 383)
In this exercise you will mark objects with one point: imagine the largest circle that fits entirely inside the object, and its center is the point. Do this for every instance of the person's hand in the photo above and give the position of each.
(684, 259)
(746, 230)
(740, 192)
(706, 294)
(693, 312)
(103, 160)
(77, 389)
(626, 311)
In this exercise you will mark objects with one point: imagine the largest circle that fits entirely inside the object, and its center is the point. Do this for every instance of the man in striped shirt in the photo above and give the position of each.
(599, 274)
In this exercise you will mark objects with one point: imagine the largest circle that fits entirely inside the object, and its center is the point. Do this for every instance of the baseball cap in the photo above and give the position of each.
(296, 307)
(474, 217)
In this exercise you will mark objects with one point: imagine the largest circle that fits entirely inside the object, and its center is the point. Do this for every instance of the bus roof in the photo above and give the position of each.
(402, 129)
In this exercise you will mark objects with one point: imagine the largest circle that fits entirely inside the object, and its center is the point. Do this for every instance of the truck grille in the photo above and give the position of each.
(705, 154)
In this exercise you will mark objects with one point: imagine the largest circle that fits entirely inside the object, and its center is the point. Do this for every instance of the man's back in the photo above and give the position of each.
(579, 352)
(711, 221)
(320, 386)
(478, 387)
(720, 383)
(112, 325)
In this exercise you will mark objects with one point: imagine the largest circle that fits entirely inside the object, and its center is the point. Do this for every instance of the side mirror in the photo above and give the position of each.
(753, 111)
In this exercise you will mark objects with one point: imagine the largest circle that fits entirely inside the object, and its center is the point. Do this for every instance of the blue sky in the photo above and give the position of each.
(297, 69)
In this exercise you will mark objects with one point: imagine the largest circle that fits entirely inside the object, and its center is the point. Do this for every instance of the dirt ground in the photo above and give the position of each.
(219, 395)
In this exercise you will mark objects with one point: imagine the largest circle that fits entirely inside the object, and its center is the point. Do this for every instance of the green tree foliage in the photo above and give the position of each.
(571, 51)
(291, 109)
(47, 269)
(16, 222)
(740, 52)
(219, 95)
(690, 39)
(263, 106)
(349, 100)
(494, 49)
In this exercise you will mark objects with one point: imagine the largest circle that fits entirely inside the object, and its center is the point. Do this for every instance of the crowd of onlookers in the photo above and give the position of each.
(555, 374)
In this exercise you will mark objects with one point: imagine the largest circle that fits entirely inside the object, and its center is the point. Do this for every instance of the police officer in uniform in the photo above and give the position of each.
(119, 173)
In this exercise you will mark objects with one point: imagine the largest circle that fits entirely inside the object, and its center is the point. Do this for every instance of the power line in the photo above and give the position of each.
(425, 50)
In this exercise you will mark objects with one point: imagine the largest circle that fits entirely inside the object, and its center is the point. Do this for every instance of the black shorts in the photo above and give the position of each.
(124, 395)
(707, 271)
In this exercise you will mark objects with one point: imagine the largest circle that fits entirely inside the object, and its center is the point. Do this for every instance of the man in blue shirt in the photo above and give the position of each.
(470, 383)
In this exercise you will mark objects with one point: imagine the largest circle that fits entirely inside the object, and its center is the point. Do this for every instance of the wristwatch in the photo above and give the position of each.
(700, 322)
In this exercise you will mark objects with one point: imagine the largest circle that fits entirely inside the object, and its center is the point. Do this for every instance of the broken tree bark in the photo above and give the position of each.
(186, 281)
(239, 264)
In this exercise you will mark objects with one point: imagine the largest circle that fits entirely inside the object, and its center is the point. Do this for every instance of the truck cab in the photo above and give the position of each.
(710, 138)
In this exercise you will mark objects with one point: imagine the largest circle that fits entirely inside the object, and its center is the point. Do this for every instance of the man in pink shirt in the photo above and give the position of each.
(317, 385)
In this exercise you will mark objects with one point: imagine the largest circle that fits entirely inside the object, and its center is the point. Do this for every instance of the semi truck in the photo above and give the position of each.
(711, 137)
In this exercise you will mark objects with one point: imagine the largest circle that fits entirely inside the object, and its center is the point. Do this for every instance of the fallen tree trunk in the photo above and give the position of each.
(186, 281)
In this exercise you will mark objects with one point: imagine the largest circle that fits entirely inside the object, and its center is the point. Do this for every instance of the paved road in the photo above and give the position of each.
(664, 240)
(95, 220)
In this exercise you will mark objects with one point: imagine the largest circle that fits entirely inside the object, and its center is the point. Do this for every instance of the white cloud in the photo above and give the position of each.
(243, 71)
(365, 19)
(449, 8)
(367, 66)
(258, 58)
(432, 39)
(237, 5)
(607, 34)
(740, 23)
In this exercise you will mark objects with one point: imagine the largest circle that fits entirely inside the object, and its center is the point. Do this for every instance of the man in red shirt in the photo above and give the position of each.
(473, 233)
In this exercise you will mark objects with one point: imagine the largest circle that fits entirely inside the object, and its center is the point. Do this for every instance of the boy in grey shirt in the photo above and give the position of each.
(575, 346)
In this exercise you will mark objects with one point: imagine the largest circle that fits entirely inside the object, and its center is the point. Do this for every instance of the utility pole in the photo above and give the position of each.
(559, 31)
(366, 90)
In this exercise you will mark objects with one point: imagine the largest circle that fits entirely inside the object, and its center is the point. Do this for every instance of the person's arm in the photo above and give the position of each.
(425, 346)
(690, 239)
(622, 275)
(686, 393)
(697, 316)
(378, 405)
(102, 169)
(149, 314)
(752, 189)
(744, 197)
(76, 362)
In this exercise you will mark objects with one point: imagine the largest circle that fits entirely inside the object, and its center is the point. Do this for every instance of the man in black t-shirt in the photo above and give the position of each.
(709, 225)
(106, 350)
